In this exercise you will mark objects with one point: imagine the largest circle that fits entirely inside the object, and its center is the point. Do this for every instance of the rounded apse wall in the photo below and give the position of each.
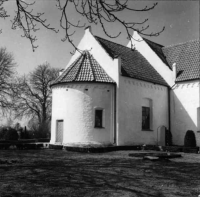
(78, 106)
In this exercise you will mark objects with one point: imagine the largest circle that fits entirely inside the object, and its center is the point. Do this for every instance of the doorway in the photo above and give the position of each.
(59, 131)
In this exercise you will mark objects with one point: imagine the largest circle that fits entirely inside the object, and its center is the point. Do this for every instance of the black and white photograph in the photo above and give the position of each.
(99, 98)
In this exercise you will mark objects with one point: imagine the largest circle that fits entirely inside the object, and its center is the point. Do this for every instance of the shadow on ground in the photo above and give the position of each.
(61, 173)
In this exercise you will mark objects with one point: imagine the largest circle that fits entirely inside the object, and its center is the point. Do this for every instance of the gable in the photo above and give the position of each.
(186, 57)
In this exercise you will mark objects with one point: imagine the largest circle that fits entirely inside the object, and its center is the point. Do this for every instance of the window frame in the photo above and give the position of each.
(147, 116)
(102, 118)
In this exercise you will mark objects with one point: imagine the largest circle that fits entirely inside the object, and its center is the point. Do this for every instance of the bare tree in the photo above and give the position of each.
(32, 94)
(98, 12)
(6, 76)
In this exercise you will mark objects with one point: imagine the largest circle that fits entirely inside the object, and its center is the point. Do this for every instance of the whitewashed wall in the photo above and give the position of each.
(185, 102)
(76, 105)
(131, 95)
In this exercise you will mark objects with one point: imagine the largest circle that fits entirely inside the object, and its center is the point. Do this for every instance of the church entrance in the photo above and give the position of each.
(59, 131)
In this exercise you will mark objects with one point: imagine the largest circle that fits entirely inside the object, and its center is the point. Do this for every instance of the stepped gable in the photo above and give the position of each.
(84, 69)
(134, 64)
(186, 57)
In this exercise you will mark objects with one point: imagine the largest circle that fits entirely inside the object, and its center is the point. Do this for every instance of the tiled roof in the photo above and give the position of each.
(186, 57)
(134, 65)
(84, 69)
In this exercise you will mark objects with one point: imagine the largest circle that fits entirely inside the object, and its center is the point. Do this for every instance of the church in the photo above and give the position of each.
(121, 95)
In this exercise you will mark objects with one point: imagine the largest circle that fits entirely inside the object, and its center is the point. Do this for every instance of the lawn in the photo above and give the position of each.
(62, 173)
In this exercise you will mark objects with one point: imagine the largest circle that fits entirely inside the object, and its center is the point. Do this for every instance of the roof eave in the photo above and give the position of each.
(62, 83)
(166, 85)
(185, 80)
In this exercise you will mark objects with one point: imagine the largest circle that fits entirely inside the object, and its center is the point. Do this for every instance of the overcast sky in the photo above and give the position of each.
(181, 19)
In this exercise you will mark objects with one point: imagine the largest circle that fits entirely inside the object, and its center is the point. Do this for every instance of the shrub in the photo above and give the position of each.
(40, 131)
(168, 138)
(27, 135)
(190, 139)
(37, 130)
(11, 134)
(43, 131)
(2, 133)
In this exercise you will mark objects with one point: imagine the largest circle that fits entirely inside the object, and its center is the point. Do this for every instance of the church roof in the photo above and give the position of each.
(84, 69)
(134, 64)
(186, 57)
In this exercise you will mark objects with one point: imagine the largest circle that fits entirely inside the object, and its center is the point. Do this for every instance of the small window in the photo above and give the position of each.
(99, 118)
(145, 118)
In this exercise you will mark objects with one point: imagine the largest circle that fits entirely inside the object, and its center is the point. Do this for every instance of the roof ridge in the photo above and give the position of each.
(80, 65)
(68, 69)
(60, 77)
(189, 41)
(145, 39)
(178, 44)
(112, 42)
(90, 58)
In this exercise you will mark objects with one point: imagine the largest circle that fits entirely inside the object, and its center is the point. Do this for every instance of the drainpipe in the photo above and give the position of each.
(169, 114)
(117, 62)
(174, 71)
(169, 109)
(115, 115)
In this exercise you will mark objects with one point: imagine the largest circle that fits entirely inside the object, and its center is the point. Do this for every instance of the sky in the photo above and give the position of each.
(180, 18)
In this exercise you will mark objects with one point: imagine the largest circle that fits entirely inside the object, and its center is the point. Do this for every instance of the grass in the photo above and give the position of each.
(61, 173)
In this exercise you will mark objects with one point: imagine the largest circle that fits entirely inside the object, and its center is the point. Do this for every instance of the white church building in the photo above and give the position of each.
(112, 94)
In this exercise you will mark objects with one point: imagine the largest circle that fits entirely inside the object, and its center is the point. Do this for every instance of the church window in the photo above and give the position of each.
(147, 114)
(98, 118)
(145, 118)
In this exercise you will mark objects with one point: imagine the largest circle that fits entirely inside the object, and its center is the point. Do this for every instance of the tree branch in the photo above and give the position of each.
(27, 21)
(96, 12)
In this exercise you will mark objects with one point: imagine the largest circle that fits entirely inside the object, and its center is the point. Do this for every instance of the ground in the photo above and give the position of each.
(62, 173)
